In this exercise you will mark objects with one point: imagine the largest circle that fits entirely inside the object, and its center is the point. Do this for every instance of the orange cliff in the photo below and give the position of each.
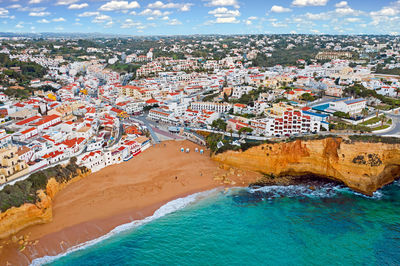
(17, 218)
(362, 166)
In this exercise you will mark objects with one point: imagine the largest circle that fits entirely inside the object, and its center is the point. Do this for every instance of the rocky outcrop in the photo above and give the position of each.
(362, 166)
(18, 218)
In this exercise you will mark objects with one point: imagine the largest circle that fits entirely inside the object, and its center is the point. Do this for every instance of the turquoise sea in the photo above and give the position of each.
(276, 225)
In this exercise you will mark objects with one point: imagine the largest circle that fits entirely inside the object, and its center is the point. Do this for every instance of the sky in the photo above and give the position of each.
(183, 17)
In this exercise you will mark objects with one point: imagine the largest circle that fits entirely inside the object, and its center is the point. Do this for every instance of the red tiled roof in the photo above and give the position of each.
(152, 101)
(46, 119)
(72, 142)
(28, 120)
(28, 130)
(115, 110)
(52, 154)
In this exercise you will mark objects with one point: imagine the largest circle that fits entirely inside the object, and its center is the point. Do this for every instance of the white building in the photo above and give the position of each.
(352, 106)
(211, 106)
(239, 91)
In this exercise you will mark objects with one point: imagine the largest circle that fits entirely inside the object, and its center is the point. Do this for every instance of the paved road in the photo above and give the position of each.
(396, 125)
(166, 134)
(149, 126)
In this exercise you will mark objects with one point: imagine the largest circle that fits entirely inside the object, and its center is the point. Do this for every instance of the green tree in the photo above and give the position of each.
(245, 130)
(364, 113)
(219, 124)
(383, 119)
(307, 97)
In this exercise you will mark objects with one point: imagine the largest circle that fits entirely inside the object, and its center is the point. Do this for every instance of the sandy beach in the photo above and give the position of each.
(133, 190)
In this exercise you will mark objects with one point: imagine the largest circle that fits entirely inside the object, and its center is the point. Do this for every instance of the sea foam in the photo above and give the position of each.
(168, 208)
(324, 191)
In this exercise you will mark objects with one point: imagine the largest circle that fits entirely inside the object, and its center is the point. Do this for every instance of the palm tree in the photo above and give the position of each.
(364, 113)
(231, 132)
(383, 119)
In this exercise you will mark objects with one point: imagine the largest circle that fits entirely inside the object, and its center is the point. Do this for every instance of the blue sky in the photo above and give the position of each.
(168, 17)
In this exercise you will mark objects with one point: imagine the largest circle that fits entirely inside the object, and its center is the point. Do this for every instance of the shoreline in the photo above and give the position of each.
(120, 194)
(124, 227)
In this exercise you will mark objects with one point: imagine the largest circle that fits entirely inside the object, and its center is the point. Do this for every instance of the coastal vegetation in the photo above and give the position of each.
(345, 126)
(25, 191)
(124, 68)
(214, 142)
(358, 90)
(392, 71)
(218, 143)
(374, 139)
(21, 72)
(284, 56)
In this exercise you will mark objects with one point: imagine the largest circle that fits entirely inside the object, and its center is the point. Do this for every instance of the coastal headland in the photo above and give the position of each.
(364, 166)
(92, 206)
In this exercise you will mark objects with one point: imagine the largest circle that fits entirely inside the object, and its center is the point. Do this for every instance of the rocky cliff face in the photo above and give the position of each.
(362, 166)
(18, 218)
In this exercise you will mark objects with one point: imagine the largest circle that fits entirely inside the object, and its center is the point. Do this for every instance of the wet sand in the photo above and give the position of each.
(118, 194)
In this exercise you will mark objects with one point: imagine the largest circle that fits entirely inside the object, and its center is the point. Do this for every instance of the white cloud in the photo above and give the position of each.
(280, 9)
(346, 11)
(109, 24)
(252, 18)
(59, 19)
(119, 6)
(223, 15)
(35, 1)
(233, 3)
(19, 25)
(224, 12)
(352, 20)
(309, 2)
(319, 16)
(226, 20)
(157, 13)
(129, 23)
(386, 16)
(39, 14)
(3, 12)
(386, 11)
(66, 2)
(31, 9)
(78, 6)
(278, 24)
(341, 4)
(101, 19)
(43, 21)
(89, 14)
(179, 6)
(174, 22)
(14, 6)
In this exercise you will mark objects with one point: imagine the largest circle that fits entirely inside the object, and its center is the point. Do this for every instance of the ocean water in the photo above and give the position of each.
(293, 225)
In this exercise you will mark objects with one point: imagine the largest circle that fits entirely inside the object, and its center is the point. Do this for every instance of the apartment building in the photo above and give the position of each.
(211, 106)
(351, 106)
(291, 123)
(11, 166)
